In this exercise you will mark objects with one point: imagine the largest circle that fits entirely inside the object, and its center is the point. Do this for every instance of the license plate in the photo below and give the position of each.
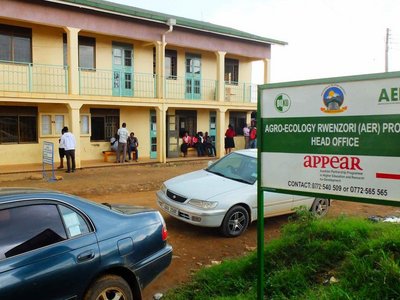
(170, 209)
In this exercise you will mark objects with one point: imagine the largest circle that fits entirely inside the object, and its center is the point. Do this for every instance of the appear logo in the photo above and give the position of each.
(282, 103)
(333, 98)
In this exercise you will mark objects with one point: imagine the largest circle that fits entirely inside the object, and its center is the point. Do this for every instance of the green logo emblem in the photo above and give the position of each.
(282, 103)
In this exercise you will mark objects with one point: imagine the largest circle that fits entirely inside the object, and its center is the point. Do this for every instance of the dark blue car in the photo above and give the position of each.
(58, 246)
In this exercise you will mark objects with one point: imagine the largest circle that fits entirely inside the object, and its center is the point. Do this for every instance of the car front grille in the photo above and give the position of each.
(175, 197)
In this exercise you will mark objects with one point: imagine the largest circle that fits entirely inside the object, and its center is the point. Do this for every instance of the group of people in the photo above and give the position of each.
(250, 136)
(202, 143)
(249, 133)
(124, 142)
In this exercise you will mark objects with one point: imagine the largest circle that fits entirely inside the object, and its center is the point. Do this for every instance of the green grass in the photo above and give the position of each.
(362, 256)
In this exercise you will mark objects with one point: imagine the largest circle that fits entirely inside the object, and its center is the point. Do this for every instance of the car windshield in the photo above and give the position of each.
(237, 167)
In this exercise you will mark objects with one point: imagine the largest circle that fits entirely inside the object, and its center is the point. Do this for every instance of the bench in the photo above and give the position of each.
(106, 154)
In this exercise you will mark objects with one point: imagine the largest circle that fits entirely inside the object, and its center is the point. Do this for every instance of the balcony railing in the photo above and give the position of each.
(33, 78)
(116, 83)
(187, 88)
(38, 78)
(240, 92)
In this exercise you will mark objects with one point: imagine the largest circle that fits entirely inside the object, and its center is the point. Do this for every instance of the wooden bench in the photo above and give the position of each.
(106, 154)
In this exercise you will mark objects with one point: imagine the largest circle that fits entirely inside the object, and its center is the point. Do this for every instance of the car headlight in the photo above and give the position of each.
(203, 204)
(163, 188)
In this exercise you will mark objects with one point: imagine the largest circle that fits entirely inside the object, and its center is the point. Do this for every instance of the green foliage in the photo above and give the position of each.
(362, 257)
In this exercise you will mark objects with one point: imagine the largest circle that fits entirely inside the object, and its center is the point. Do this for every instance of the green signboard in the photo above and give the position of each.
(338, 138)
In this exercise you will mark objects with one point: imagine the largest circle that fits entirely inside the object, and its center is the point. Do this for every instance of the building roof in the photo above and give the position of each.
(152, 16)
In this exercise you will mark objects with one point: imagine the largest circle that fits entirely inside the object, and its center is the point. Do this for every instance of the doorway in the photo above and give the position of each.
(193, 76)
(122, 69)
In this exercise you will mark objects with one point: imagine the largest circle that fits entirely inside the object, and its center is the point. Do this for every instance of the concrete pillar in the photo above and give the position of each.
(267, 70)
(73, 60)
(75, 128)
(220, 75)
(160, 68)
(221, 128)
(161, 115)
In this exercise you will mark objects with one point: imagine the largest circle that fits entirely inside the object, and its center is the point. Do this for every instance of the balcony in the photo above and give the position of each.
(190, 88)
(240, 92)
(38, 78)
(33, 78)
(121, 83)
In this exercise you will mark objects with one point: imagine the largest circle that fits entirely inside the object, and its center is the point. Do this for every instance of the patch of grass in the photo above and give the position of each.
(363, 258)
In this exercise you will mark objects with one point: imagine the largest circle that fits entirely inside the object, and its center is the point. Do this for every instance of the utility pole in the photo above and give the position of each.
(387, 49)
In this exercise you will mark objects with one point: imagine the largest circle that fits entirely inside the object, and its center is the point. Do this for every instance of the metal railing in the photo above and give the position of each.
(190, 88)
(240, 92)
(40, 78)
(100, 82)
(33, 78)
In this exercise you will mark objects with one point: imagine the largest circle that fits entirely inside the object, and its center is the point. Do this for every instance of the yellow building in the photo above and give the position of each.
(92, 65)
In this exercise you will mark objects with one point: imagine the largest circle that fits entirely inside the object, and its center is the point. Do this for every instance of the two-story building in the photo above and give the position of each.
(92, 65)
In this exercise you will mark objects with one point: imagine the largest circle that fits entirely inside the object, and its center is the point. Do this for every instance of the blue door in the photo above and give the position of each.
(193, 76)
(213, 127)
(153, 134)
(122, 70)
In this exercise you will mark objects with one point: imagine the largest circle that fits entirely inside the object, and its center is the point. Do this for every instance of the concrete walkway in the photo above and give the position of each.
(27, 168)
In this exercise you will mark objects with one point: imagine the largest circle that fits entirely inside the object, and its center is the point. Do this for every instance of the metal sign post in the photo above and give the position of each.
(48, 159)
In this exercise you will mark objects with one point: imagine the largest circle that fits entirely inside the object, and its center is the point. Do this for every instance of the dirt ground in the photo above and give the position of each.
(194, 247)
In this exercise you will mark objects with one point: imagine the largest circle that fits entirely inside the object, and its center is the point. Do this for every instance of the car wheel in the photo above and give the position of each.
(320, 207)
(109, 287)
(235, 222)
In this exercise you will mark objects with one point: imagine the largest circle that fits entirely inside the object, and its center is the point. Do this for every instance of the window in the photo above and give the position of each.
(46, 124)
(231, 71)
(51, 124)
(27, 228)
(65, 50)
(15, 44)
(87, 58)
(238, 121)
(171, 68)
(85, 126)
(18, 124)
(74, 223)
(170, 64)
(104, 123)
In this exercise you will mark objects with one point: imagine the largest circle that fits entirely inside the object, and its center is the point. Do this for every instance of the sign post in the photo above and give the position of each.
(48, 158)
(335, 138)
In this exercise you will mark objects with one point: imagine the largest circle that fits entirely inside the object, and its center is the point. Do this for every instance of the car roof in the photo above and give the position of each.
(9, 192)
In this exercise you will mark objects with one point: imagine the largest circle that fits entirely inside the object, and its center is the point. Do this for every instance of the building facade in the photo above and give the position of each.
(92, 65)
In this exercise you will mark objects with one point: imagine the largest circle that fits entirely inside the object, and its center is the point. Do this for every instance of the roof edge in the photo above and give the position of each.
(152, 16)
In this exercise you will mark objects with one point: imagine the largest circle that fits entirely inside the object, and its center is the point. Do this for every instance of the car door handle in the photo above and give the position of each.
(87, 255)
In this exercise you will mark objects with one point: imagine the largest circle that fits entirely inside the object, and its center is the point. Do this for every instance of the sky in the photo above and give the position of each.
(326, 38)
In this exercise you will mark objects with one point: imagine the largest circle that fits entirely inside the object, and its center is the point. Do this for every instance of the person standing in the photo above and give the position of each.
(133, 144)
(123, 135)
(61, 151)
(246, 134)
(229, 141)
(253, 136)
(210, 148)
(68, 140)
